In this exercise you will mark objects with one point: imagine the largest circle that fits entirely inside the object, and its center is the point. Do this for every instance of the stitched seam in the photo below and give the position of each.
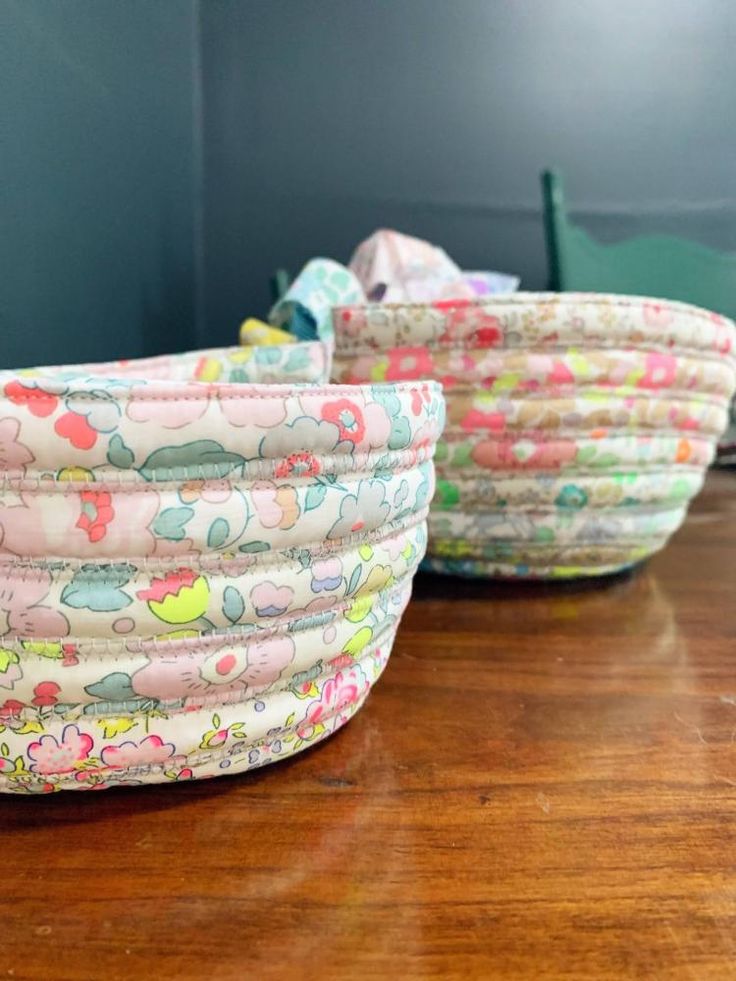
(219, 565)
(214, 701)
(210, 392)
(53, 486)
(263, 469)
(239, 635)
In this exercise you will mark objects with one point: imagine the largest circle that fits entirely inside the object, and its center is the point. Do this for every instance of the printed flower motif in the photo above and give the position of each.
(363, 511)
(45, 694)
(571, 496)
(303, 464)
(326, 575)
(220, 736)
(38, 402)
(26, 530)
(223, 671)
(264, 413)
(13, 455)
(338, 694)
(409, 363)
(276, 506)
(661, 371)
(10, 670)
(319, 436)
(470, 319)
(180, 597)
(270, 600)
(97, 513)
(211, 491)
(20, 611)
(50, 755)
(523, 454)
(347, 417)
(149, 751)
(190, 404)
(77, 430)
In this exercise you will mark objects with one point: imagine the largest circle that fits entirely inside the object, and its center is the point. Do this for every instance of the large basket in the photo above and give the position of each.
(198, 578)
(579, 426)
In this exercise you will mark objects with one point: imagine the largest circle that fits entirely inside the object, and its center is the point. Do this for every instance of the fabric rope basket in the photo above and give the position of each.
(197, 578)
(579, 425)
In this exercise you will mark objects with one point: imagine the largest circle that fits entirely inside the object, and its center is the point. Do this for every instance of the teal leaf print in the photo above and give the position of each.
(233, 606)
(118, 454)
(217, 535)
(354, 579)
(170, 523)
(99, 588)
(315, 496)
(203, 457)
(255, 547)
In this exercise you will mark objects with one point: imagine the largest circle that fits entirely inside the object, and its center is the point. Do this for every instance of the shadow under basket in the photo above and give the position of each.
(579, 426)
(186, 591)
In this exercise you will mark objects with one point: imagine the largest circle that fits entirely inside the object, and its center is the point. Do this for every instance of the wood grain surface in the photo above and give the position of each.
(542, 785)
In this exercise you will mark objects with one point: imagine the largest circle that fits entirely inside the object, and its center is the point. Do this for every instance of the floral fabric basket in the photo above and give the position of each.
(197, 577)
(579, 426)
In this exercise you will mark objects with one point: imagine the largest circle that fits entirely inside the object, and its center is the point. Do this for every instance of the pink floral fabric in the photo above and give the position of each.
(578, 425)
(197, 577)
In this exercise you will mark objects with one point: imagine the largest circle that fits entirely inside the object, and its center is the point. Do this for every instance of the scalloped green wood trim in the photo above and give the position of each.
(652, 265)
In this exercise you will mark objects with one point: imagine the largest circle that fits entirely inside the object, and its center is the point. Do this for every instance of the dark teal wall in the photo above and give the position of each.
(97, 171)
(162, 156)
(328, 118)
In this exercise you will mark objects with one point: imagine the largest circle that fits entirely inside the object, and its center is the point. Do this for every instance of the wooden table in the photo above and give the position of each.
(542, 785)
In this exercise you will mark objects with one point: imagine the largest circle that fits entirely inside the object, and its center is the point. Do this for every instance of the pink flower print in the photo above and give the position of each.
(150, 750)
(190, 404)
(226, 670)
(45, 694)
(21, 614)
(338, 694)
(88, 522)
(264, 413)
(13, 455)
(377, 427)
(348, 418)
(409, 363)
(77, 430)
(508, 454)
(476, 419)
(50, 755)
(658, 315)
(270, 600)
(96, 515)
(660, 372)
(38, 402)
(276, 506)
(326, 575)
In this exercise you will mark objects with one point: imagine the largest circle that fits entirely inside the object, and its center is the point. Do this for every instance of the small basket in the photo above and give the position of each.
(197, 578)
(579, 425)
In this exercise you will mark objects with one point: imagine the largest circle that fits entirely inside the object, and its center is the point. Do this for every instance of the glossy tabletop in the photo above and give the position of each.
(543, 784)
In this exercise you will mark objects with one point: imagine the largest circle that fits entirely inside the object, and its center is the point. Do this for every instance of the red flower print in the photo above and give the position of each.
(38, 402)
(347, 417)
(298, 465)
(77, 430)
(45, 693)
(97, 513)
(408, 363)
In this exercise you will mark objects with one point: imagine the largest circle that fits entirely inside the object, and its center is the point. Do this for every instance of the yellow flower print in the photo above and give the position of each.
(180, 597)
